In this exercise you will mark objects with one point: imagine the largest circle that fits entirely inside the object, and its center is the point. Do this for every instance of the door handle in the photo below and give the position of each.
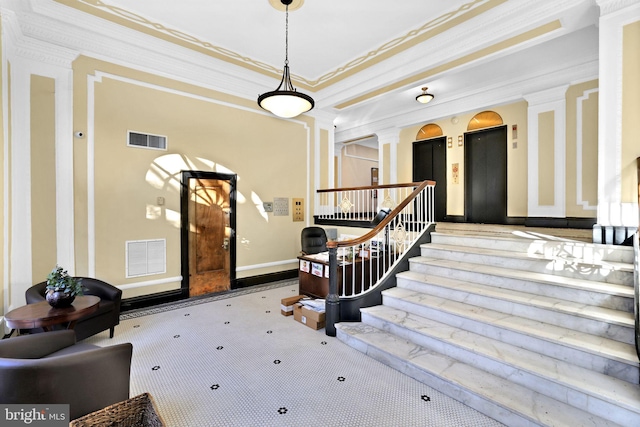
(225, 244)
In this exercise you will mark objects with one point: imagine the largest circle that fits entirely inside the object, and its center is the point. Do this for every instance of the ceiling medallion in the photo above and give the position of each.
(278, 5)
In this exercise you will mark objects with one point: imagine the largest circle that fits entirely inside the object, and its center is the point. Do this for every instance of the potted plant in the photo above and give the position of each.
(62, 289)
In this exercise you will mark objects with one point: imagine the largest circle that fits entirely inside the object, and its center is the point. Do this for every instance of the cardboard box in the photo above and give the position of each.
(311, 318)
(286, 304)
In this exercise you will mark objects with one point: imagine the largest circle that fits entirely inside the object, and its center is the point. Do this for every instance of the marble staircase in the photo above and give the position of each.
(528, 330)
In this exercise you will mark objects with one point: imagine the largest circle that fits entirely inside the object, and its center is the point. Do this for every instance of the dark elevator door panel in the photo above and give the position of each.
(430, 163)
(486, 176)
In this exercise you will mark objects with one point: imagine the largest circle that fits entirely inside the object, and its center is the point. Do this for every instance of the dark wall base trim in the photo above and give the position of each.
(265, 278)
(144, 301)
(579, 223)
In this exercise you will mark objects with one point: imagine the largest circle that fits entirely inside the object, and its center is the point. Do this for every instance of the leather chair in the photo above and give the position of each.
(51, 368)
(314, 240)
(106, 317)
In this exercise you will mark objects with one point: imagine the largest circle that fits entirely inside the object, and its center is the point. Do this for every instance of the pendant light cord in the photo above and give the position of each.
(286, 37)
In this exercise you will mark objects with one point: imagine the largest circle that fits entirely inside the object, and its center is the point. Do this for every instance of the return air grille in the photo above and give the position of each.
(145, 140)
(146, 257)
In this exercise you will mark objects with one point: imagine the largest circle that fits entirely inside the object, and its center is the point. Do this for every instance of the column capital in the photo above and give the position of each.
(389, 135)
(611, 6)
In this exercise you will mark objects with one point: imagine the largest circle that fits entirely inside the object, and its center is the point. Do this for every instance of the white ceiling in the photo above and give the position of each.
(326, 36)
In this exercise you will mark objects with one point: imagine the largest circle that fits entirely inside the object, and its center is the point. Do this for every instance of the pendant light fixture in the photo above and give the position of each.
(424, 97)
(286, 101)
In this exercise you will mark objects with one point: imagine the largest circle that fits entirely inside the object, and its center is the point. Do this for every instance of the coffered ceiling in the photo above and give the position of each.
(363, 61)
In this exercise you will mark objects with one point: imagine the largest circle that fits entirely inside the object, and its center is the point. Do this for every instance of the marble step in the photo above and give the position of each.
(587, 390)
(605, 271)
(604, 355)
(609, 295)
(551, 248)
(500, 399)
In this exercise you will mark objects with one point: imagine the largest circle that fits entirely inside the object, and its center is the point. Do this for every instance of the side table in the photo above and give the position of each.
(42, 315)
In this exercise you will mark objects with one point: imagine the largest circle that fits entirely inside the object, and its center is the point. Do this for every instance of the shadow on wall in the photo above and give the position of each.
(165, 173)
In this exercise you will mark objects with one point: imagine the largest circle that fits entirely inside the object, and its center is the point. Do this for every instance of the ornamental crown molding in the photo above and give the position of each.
(548, 95)
(611, 6)
(19, 46)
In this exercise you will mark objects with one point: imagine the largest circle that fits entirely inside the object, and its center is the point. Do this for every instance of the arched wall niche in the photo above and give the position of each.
(430, 130)
(485, 119)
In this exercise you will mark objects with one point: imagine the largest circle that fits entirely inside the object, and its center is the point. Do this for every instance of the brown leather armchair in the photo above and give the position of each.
(106, 317)
(51, 368)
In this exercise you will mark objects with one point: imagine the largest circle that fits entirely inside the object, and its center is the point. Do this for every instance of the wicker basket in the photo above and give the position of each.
(138, 411)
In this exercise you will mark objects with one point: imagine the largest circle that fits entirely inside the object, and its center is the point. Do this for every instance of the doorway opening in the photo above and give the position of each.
(208, 223)
(485, 189)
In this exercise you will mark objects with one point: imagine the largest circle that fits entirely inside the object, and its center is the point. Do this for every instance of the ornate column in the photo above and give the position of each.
(389, 136)
(613, 207)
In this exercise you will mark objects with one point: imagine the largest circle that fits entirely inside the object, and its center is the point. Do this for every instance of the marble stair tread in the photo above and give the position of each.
(593, 344)
(530, 407)
(608, 265)
(554, 304)
(531, 276)
(585, 381)
(573, 249)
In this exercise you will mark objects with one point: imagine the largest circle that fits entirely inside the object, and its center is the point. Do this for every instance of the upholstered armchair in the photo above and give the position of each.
(314, 240)
(51, 368)
(106, 317)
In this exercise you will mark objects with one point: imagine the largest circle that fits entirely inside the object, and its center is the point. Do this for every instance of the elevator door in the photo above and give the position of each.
(485, 159)
(430, 163)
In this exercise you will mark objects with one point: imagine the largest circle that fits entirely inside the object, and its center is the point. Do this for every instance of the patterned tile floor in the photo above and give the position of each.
(234, 360)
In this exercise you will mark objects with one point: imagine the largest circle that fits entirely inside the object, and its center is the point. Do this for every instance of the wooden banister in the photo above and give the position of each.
(359, 240)
(374, 187)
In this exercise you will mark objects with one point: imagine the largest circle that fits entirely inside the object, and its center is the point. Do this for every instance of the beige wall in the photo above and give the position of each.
(357, 161)
(512, 114)
(546, 158)
(201, 134)
(583, 176)
(630, 111)
(43, 177)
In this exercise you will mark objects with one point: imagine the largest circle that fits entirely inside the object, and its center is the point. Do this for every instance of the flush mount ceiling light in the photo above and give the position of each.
(424, 97)
(286, 101)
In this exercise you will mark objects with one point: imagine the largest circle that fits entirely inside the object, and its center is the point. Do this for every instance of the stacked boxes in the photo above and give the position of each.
(286, 304)
(310, 316)
(305, 310)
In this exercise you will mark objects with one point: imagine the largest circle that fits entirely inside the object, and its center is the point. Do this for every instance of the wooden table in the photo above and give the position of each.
(42, 315)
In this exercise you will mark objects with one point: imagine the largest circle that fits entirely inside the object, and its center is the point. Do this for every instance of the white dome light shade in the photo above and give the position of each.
(285, 104)
(285, 101)
(424, 97)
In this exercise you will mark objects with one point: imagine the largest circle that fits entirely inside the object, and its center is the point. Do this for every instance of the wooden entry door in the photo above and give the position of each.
(210, 242)
(485, 159)
(430, 163)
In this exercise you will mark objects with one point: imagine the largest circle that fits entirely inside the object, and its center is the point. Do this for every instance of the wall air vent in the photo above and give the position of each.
(146, 257)
(145, 140)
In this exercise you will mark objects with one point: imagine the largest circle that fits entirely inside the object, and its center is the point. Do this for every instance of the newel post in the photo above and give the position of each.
(332, 302)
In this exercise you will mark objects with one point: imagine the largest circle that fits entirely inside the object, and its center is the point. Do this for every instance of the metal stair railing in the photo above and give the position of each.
(358, 266)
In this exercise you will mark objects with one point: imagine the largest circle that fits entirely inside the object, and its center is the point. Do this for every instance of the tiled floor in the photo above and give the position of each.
(234, 360)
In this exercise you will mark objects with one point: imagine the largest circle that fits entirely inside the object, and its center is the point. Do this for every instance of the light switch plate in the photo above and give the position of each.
(280, 206)
(298, 209)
